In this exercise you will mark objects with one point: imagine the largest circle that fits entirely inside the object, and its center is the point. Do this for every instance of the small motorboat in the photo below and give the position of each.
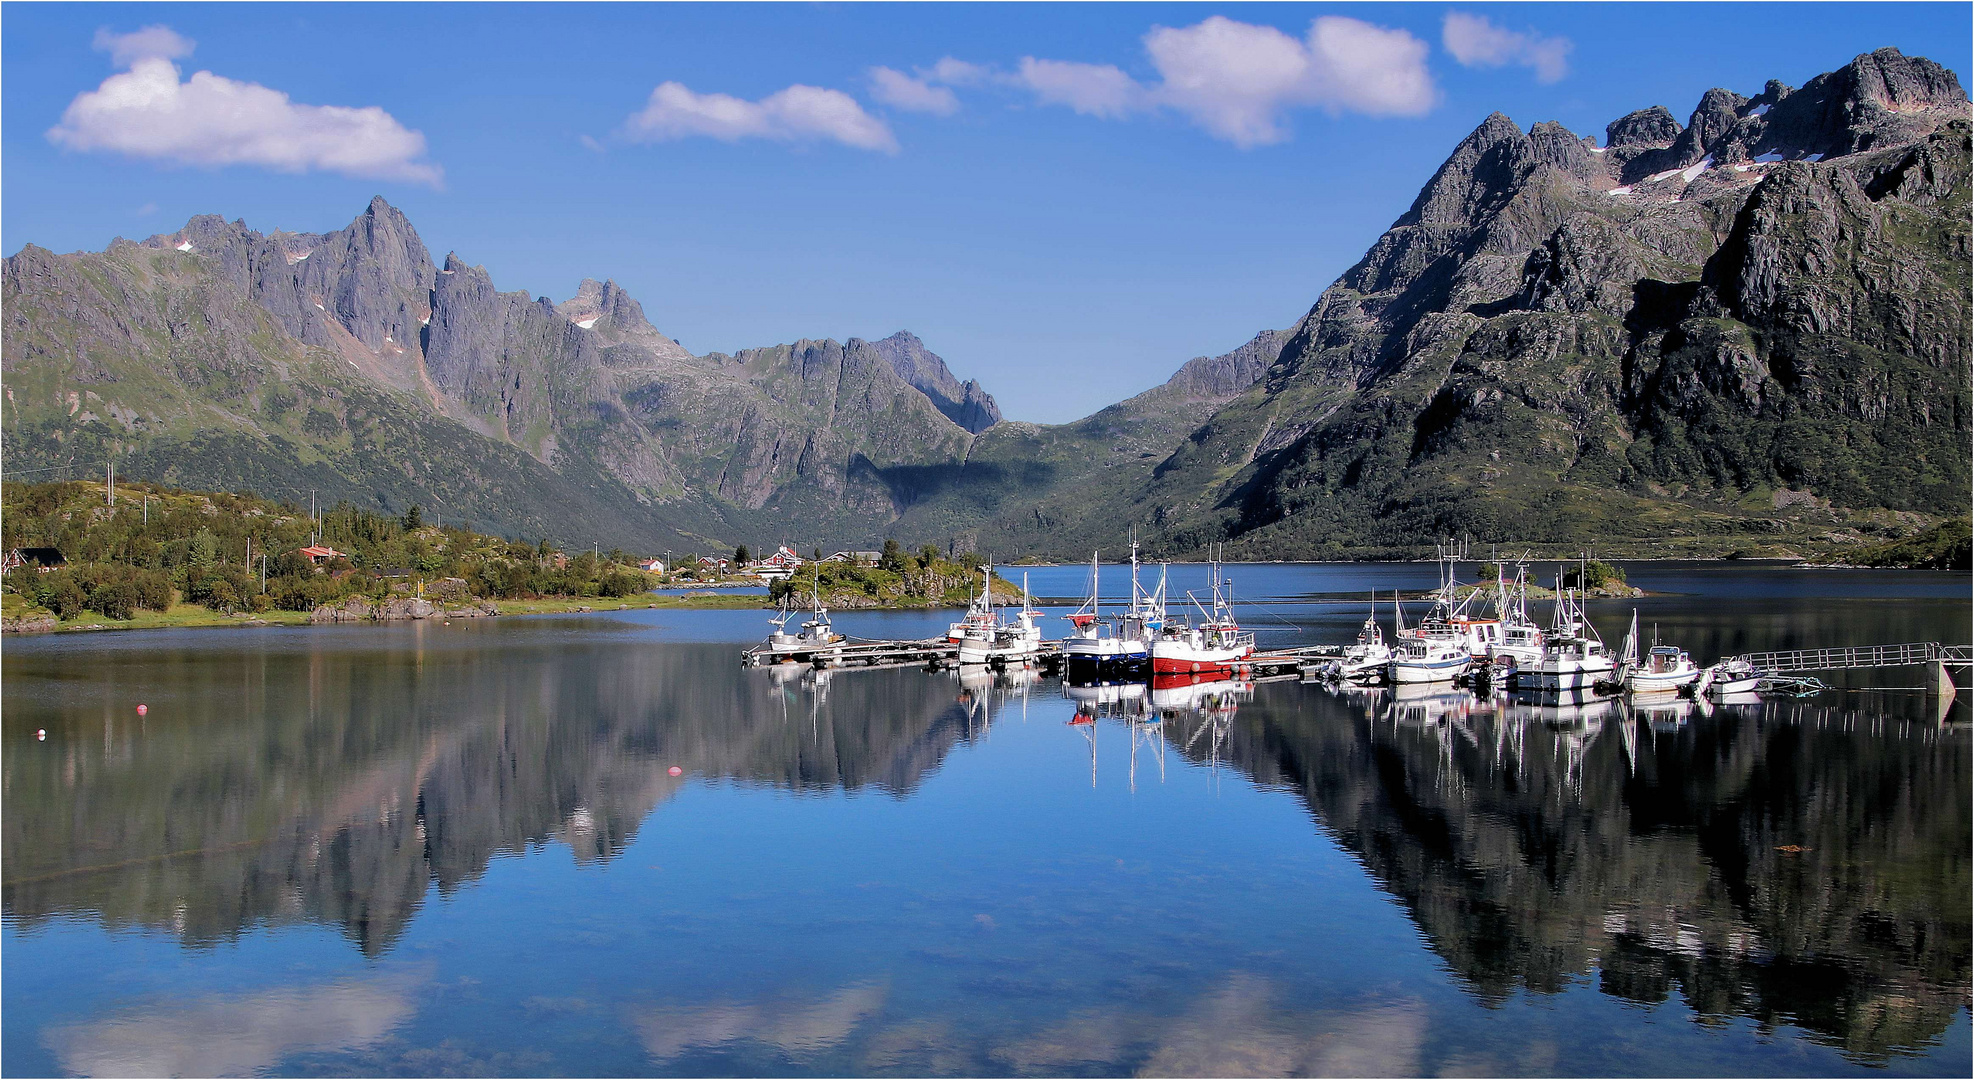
(1369, 656)
(1665, 667)
(1732, 678)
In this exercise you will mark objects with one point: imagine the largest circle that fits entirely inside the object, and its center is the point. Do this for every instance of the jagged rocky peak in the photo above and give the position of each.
(1881, 98)
(1652, 128)
(604, 307)
(966, 404)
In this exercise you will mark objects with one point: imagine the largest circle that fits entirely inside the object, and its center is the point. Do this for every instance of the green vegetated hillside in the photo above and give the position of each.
(150, 548)
(1746, 333)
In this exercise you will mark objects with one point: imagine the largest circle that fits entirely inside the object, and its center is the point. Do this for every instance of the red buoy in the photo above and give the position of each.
(142, 709)
(675, 770)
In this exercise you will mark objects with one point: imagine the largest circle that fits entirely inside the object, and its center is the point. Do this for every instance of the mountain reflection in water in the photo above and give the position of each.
(335, 786)
(1777, 864)
(1782, 862)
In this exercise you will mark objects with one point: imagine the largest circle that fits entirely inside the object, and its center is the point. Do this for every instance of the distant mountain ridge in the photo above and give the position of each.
(1747, 331)
(348, 365)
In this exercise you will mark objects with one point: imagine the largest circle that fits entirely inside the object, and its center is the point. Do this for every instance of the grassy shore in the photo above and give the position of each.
(565, 605)
(17, 609)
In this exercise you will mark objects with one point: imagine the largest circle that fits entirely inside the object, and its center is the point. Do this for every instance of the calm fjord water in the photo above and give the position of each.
(459, 849)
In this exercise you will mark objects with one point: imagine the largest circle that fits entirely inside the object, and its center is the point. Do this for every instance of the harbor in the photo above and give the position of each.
(1475, 634)
(921, 866)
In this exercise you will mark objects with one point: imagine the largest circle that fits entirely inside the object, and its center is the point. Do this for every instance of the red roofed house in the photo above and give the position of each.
(317, 554)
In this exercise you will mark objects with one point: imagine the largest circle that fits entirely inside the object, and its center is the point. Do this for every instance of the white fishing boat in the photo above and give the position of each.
(979, 617)
(997, 641)
(1368, 657)
(1422, 658)
(1522, 641)
(1576, 657)
(815, 637)
(1216, 646)
(1428, 660)
(1663, 668)
(1096, 646)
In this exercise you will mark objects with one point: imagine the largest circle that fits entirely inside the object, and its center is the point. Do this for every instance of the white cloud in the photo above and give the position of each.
(146, 44)
(1238, 80)
(1476, 42)
(209, 120)
(896, 88)
(1370, 69)
(1232, 78)
(958, 73)
(1098, 90)
(796, 114)
(237, 1034)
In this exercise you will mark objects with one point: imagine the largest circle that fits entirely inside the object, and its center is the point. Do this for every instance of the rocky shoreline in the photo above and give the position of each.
(358, 609)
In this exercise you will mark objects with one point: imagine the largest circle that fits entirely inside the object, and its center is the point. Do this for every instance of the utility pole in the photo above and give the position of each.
(263, 574)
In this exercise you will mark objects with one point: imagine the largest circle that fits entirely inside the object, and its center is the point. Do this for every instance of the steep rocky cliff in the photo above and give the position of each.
(1750, 327)
(965, 404)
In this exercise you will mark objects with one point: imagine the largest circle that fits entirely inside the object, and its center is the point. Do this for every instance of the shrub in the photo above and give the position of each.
(117, 600)
(61, 594)
(153, 589)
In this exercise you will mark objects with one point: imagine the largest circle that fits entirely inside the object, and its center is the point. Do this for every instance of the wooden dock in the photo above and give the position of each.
(922, 652)
(1287, 662)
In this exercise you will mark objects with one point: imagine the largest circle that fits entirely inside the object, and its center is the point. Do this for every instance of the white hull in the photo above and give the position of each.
(1566, 676)
(1365, 665)
(1429, 671)
(975, 651)
(1647, 682)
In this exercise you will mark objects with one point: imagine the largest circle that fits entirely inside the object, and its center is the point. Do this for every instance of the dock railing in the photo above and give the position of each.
(1861, 656)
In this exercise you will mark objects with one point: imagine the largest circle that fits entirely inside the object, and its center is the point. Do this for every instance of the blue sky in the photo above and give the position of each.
(1075, 207)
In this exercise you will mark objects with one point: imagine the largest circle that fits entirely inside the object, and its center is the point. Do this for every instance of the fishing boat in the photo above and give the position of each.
(1522, 641)
(1420, 657)
(1216, 646)
(1575, 657)
(1665, 667)
(996, 641)
(1732, 677)
(979, 617)
(1368, 657)
(1096, 646)
(816, 635)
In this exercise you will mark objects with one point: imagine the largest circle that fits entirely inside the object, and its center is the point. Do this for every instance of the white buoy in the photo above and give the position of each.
(41, 734)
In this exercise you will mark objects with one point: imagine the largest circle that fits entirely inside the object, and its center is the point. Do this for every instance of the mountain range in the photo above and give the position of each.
(1747, 332)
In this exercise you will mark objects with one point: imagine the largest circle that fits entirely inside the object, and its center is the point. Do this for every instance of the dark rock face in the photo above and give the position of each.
(965, 404)
(1653, 128)
(1555, 344)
